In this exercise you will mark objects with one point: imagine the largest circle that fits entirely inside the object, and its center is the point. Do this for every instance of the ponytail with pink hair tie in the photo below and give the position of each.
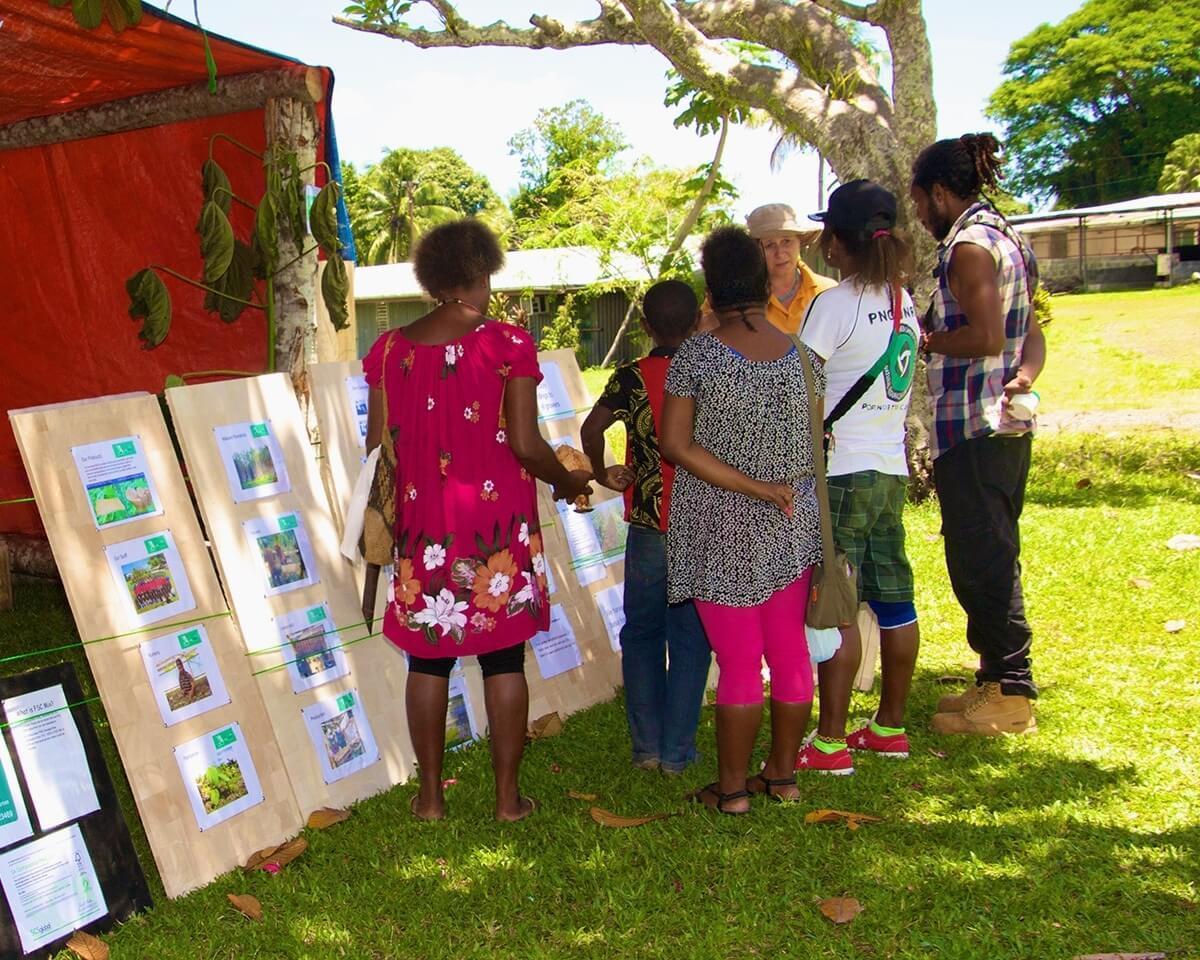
(881, 233)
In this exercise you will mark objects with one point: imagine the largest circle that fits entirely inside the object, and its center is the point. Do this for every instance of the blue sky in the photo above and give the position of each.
(390, 94)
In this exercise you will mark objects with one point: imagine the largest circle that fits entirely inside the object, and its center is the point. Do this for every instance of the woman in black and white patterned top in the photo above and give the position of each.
(744, 529)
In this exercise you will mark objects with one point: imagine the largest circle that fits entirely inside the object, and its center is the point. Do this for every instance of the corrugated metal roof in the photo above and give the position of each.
(1137, 210)
(553, 268)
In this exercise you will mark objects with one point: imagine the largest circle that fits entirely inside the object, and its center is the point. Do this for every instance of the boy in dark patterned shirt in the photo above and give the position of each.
(664, 653)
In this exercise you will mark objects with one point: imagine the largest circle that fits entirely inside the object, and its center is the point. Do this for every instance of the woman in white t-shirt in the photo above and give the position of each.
(866, 330)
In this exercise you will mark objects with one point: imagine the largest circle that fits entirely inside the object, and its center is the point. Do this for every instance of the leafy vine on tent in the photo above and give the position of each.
(232, 264)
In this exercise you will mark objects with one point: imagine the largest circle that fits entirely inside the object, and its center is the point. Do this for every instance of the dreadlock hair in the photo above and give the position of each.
(735, 270)
(455, 255)
(966, 166)
(882, 258)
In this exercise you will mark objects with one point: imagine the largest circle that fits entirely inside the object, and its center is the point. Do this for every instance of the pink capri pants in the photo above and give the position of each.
(742, 636)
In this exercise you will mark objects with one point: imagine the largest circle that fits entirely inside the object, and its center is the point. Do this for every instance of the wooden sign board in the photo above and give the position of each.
(334, 692)
(136, 571)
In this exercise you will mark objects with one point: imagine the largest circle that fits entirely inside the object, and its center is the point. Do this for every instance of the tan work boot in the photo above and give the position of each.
(958, 702)
(990, 714)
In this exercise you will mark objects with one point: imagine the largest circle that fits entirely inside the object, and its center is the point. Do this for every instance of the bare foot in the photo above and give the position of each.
(519, 811)
(435, 810)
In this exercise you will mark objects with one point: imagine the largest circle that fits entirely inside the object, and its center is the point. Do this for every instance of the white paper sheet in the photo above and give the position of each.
(51, 755)
(14, 818)
(608, 520)
(556, 649)
(460, 718)
(587, 558)
(358, 392)
(341, 735)
(281, 547)
(554, 403)
(151, 578)
(51, 887)
(305, 636)
(611, 603)
(117, 481)
(184, 674)
(218, 775)
(253, 460)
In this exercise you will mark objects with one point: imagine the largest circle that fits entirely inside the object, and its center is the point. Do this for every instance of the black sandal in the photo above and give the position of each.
(769, 786)
(722, 799)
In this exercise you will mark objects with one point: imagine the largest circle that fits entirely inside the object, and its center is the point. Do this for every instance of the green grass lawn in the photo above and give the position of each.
(1084, 838)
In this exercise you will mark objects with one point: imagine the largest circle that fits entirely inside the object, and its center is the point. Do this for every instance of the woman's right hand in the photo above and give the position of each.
(577, 483)
(780, 494)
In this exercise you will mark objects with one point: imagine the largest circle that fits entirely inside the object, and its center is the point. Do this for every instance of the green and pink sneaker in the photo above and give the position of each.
(822, 756)
(882, 741)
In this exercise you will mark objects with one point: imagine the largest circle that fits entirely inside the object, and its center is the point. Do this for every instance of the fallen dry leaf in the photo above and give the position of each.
(556, 768)
(1120, 956)
(326, 817)
(677, 885)
(1184, 541)
(840, 909)
(548, 725)
(1174, 626)
(606, 818)
(1140, 582)
(848, 817)
(273, 859)
(1082, 483)
(247, 905)
(87, 947)
(1192, 475)
(576, 795)
(938, 753)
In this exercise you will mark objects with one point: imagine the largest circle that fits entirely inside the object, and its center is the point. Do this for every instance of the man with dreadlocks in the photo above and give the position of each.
(984, 347)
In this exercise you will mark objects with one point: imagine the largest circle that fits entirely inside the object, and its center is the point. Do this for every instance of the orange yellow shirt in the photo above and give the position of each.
(788, 317)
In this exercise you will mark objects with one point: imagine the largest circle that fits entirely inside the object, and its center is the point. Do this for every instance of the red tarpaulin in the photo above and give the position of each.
(83, 216)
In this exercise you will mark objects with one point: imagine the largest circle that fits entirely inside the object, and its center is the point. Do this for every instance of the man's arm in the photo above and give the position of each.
(973, 284)
(592, 434)
(1033, 359)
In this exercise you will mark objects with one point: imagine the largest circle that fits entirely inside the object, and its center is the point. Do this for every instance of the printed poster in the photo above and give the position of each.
(305, 639)
(150, 575)
(358, 392)
(281, 546)
(595, 539)
(218, 775)
(556, 649)
(611, 603)
(341, 735)
(14, 818)
(184, 675)
(253, 460)
(51, 887)
(460, 720)
(117, 481)
(554, 403)
(51, 754)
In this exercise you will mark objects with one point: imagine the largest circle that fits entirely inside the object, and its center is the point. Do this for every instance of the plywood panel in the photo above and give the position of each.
(186, 856)
(376, 670)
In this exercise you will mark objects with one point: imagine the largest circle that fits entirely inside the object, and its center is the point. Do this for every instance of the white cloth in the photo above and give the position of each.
(851, 326)
(823, 643)
(357, 506)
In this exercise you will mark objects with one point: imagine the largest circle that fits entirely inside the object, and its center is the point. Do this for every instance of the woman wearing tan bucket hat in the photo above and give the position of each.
(793, 284)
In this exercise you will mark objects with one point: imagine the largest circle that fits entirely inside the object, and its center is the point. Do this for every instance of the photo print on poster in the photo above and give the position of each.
(150, 575)
(341, 735)
(311, 647)
(283, 550)
(218, 775)
(253, 460)
(358, 392)
(117, 481)
(184, 675)
(460, 721)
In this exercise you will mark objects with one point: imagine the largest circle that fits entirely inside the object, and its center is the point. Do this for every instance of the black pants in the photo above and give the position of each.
(981, 488)
(506, 660)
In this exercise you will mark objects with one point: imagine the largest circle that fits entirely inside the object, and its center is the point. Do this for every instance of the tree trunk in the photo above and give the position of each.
(29, 555)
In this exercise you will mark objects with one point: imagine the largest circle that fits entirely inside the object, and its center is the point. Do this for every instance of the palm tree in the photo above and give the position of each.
(1181, 169)
(398, 208)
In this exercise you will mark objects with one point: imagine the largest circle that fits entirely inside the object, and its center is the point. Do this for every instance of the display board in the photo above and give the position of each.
(66, 858)
(167, 658)
(334, 692)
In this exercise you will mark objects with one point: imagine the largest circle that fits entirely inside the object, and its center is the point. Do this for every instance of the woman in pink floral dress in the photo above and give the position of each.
(470, 574)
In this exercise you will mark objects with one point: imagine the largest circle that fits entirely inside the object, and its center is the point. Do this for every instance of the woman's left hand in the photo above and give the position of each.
(780, 494)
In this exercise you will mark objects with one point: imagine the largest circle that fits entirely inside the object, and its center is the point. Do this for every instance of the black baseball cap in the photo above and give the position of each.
(860, 206)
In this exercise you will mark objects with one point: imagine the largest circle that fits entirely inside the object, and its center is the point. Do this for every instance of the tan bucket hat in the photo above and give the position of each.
(773, 218)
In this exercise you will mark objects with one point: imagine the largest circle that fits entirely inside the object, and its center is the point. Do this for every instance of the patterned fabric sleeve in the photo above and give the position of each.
(522, 354)
(682, 379)
(818, 366)
(373, 362)
(617, 397)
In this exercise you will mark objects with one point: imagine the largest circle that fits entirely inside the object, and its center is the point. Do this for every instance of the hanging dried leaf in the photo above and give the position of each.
(851, 819)
(576, 795)
(235, 286)
(247, 905)
(1175, 626)
(1140, 582)
(149, 302)
(322, 219)
(326, 817)
(840, 909)
(1184, 541)
(216, 240)
(606, 818)
(335, 290)
(87, 947)
(277, 857)
(214, 184)
(547, 725)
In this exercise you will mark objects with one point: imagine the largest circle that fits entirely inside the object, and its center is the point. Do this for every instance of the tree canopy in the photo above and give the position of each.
(1091, 105)
(1181, 170)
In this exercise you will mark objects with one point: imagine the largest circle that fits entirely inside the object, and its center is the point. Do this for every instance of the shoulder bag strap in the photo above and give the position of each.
(818, 455)
(863, 383)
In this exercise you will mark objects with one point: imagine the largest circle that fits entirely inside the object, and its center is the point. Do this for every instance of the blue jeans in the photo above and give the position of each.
(662, 704)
